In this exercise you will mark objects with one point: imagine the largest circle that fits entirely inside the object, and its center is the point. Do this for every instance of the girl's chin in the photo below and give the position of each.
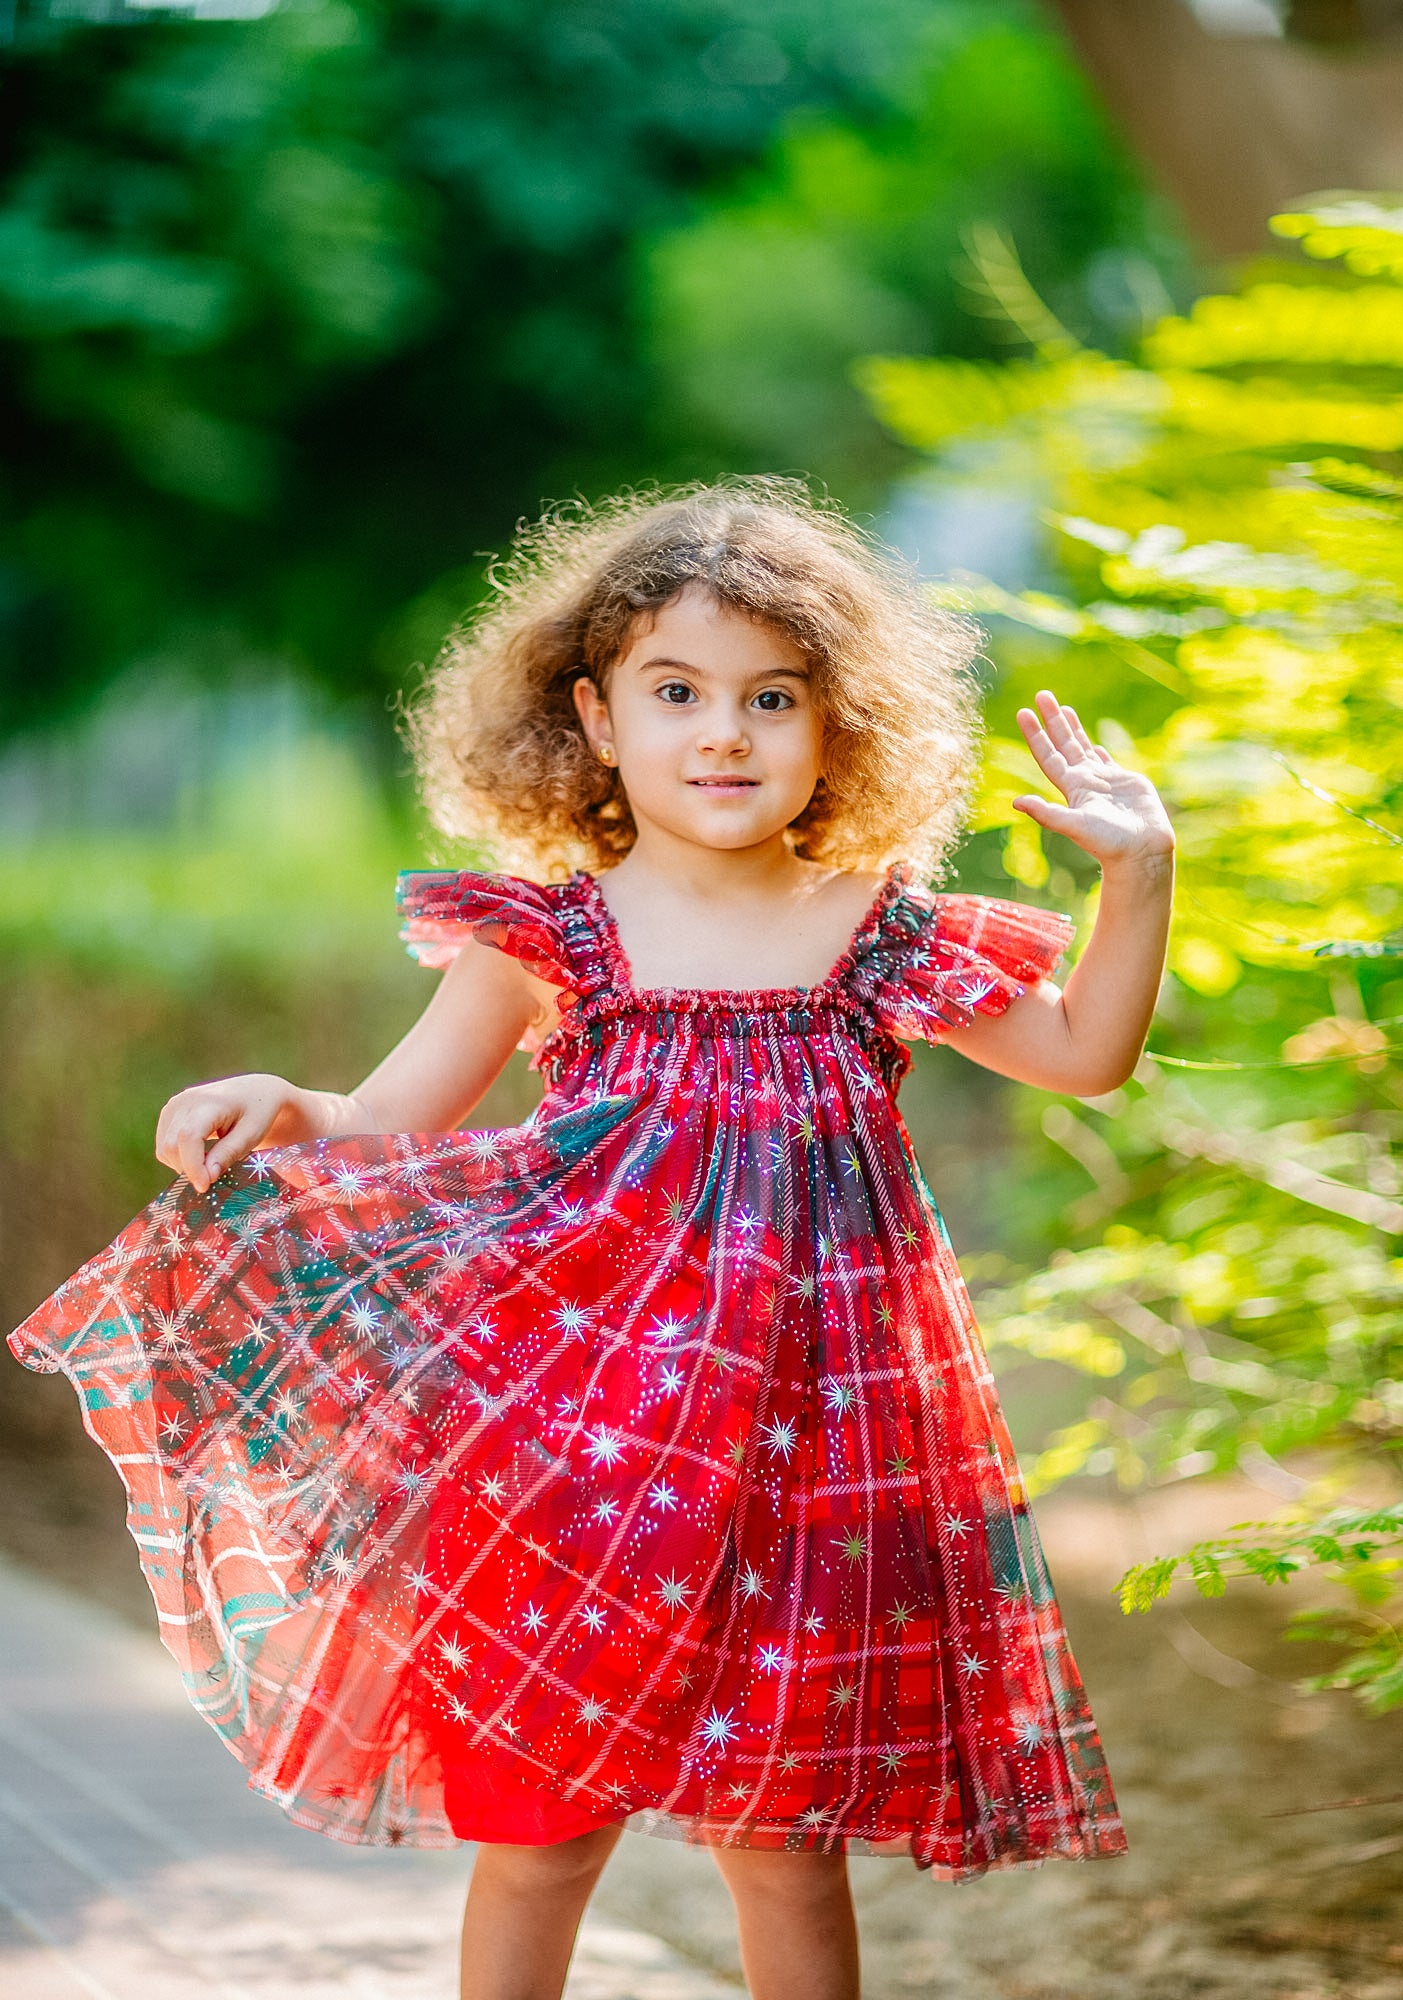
(745, 817)
(721, 828)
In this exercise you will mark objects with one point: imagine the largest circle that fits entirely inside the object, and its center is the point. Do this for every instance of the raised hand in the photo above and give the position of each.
(1113, 813)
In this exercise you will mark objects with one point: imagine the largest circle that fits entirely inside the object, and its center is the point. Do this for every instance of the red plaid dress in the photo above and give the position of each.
(639, 1462)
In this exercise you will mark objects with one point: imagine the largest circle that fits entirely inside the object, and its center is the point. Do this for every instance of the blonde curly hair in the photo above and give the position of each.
(500, 753)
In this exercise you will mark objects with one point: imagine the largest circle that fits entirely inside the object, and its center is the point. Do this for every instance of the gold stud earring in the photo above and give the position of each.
(606, 753)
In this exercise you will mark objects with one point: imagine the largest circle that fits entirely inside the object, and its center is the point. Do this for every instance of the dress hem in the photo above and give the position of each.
(650, 1822)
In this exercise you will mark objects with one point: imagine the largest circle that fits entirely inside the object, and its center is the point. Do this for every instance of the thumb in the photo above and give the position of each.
(1056, 818)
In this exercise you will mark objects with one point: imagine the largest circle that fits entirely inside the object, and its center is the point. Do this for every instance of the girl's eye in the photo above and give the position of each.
(773, 699)
(675, 693)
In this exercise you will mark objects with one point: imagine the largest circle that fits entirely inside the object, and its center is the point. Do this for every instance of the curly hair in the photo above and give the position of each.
(500, 753)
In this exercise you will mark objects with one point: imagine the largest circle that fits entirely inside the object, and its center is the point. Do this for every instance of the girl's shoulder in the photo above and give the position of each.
(931, 959)
(442, 909)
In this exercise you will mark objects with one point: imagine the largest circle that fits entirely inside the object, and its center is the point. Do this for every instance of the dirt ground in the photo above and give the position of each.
(1237, 1887)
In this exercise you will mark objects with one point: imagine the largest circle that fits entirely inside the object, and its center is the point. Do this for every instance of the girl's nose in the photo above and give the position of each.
(723, 732)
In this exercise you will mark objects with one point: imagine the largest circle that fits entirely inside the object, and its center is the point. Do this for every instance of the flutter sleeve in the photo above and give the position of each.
(442, 909)
(936, 961)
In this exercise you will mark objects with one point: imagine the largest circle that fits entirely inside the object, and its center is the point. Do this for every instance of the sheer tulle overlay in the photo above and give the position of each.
(641, 1462)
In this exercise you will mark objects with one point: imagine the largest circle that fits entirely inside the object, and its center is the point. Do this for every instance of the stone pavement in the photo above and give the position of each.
(135, 1865)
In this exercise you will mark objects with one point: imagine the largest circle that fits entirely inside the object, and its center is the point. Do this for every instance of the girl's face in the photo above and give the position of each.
(710, 721)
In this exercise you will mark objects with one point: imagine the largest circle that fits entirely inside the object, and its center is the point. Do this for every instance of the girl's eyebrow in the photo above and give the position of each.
(687, 666)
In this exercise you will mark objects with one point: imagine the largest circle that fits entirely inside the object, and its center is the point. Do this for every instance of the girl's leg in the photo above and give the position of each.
(798, 1933)
(523, 1910)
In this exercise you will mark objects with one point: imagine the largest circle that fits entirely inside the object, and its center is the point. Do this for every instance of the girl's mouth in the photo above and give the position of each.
(724, 785)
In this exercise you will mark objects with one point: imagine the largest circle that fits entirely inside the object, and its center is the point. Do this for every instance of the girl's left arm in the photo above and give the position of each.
(1086, 1037)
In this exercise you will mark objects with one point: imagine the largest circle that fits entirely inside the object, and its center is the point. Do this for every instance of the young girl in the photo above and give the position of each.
(640, 1465)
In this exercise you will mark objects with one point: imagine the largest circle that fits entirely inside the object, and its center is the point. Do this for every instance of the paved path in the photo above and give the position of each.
(134, 1864)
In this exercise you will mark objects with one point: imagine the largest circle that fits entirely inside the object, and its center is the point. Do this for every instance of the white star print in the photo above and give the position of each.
(604, 1446)
(781, 1436)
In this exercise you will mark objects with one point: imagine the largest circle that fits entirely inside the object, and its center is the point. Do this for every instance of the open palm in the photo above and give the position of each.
(1111, 812)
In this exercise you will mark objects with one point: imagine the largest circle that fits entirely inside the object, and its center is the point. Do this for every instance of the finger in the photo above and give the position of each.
(203, 1120)
(1078, 729)
(1050, 759)
(1034, 729)
(1047, 813)
(165, 1126)
(235, 1145)
(190, 1144)
(186, 1105)
(1062, 726)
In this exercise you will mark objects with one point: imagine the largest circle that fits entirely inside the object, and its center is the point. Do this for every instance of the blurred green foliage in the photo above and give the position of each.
(850, 239)
(1227, 511)
(298, 315)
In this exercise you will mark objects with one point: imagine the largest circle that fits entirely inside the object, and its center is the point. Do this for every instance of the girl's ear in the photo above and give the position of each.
(593, 712)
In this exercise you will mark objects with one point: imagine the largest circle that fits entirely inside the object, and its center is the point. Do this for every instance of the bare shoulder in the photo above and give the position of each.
(846, 892)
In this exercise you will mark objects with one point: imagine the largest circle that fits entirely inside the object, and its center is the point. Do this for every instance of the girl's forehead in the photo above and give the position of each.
(697, 629)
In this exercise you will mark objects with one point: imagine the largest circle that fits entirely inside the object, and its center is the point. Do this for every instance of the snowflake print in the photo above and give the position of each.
(840, 1397)
(718, 1729)
(667, 1329)
(605, 1446)
(781, 1435)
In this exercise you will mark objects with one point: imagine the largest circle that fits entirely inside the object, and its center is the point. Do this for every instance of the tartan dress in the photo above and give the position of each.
(640, 1462)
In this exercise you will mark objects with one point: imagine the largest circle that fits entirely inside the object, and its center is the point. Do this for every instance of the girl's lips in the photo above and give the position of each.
(724, 784)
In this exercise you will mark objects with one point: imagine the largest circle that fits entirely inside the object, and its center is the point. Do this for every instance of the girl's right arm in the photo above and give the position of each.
(429, 1082)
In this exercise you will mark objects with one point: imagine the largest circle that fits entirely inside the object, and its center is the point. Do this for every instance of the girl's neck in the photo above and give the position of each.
(728, 920)
(660, 861)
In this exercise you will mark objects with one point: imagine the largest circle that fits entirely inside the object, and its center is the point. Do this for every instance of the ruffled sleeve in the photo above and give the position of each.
(443, 908)
(935, 961)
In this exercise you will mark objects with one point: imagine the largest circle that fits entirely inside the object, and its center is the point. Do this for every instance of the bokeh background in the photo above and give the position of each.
(1096, 312)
